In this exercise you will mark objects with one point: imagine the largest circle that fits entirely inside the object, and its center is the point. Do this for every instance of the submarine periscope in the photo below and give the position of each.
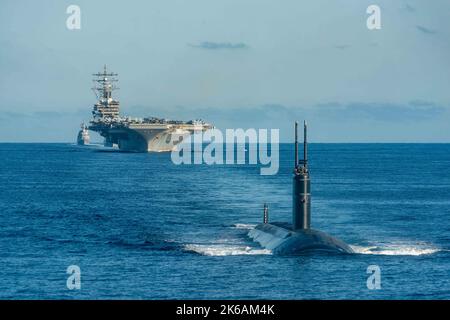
(297, 238)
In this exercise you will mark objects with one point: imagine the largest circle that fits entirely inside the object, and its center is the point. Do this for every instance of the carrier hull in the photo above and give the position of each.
(146, 137)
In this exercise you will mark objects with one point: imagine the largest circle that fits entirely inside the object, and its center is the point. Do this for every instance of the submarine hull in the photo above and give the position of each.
(282, 240)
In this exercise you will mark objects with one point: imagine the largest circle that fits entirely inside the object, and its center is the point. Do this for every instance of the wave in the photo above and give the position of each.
(225, 250)
(396, 250)
(155, 245)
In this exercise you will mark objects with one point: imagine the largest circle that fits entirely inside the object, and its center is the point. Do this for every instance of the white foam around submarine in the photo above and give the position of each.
(244, 226)
(225, 250)
(395, 250)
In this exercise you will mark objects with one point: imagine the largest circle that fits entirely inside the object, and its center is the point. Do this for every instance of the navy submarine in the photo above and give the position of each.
(297, 238)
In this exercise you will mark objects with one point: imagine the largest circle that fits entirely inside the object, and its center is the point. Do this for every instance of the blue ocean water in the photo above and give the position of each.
(140, 227)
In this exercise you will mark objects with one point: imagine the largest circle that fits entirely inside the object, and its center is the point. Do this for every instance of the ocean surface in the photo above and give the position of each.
(140, 227)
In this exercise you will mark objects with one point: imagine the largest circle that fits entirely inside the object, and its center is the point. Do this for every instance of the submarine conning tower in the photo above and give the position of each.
(301, 192)
(298, 238)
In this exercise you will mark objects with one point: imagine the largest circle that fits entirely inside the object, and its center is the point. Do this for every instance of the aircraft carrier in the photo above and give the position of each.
(134, 134)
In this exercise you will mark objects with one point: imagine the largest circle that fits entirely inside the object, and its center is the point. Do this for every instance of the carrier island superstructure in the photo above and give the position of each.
(134, 134)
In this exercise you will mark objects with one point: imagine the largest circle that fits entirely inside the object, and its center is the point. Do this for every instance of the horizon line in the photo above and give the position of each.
(331, 142)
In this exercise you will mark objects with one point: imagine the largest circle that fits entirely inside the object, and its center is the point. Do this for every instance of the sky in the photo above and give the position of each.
(234, 63)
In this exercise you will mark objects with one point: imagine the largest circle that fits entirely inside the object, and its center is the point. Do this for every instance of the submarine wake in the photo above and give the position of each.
(395, 250)
(244, 226)
(220, 250)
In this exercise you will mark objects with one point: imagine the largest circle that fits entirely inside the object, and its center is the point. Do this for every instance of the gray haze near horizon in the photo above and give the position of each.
(236, 64)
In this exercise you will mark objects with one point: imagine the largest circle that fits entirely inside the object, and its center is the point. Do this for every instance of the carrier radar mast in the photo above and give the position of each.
(106, 107)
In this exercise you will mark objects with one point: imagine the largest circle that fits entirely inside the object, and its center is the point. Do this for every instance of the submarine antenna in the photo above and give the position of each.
(266, 214)
(301, 189)
(305, 146)
(296, 144)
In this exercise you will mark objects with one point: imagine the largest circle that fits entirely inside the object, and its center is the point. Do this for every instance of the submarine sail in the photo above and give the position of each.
(298, 237)
(301, 199)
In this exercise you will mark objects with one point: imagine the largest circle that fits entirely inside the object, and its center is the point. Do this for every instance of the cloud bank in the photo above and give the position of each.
(415, 121)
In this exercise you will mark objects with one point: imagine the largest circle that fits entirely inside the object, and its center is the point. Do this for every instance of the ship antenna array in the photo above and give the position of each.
(103, 82)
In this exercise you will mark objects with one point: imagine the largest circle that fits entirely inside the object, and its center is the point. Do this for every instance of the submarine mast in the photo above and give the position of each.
(301, 197)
